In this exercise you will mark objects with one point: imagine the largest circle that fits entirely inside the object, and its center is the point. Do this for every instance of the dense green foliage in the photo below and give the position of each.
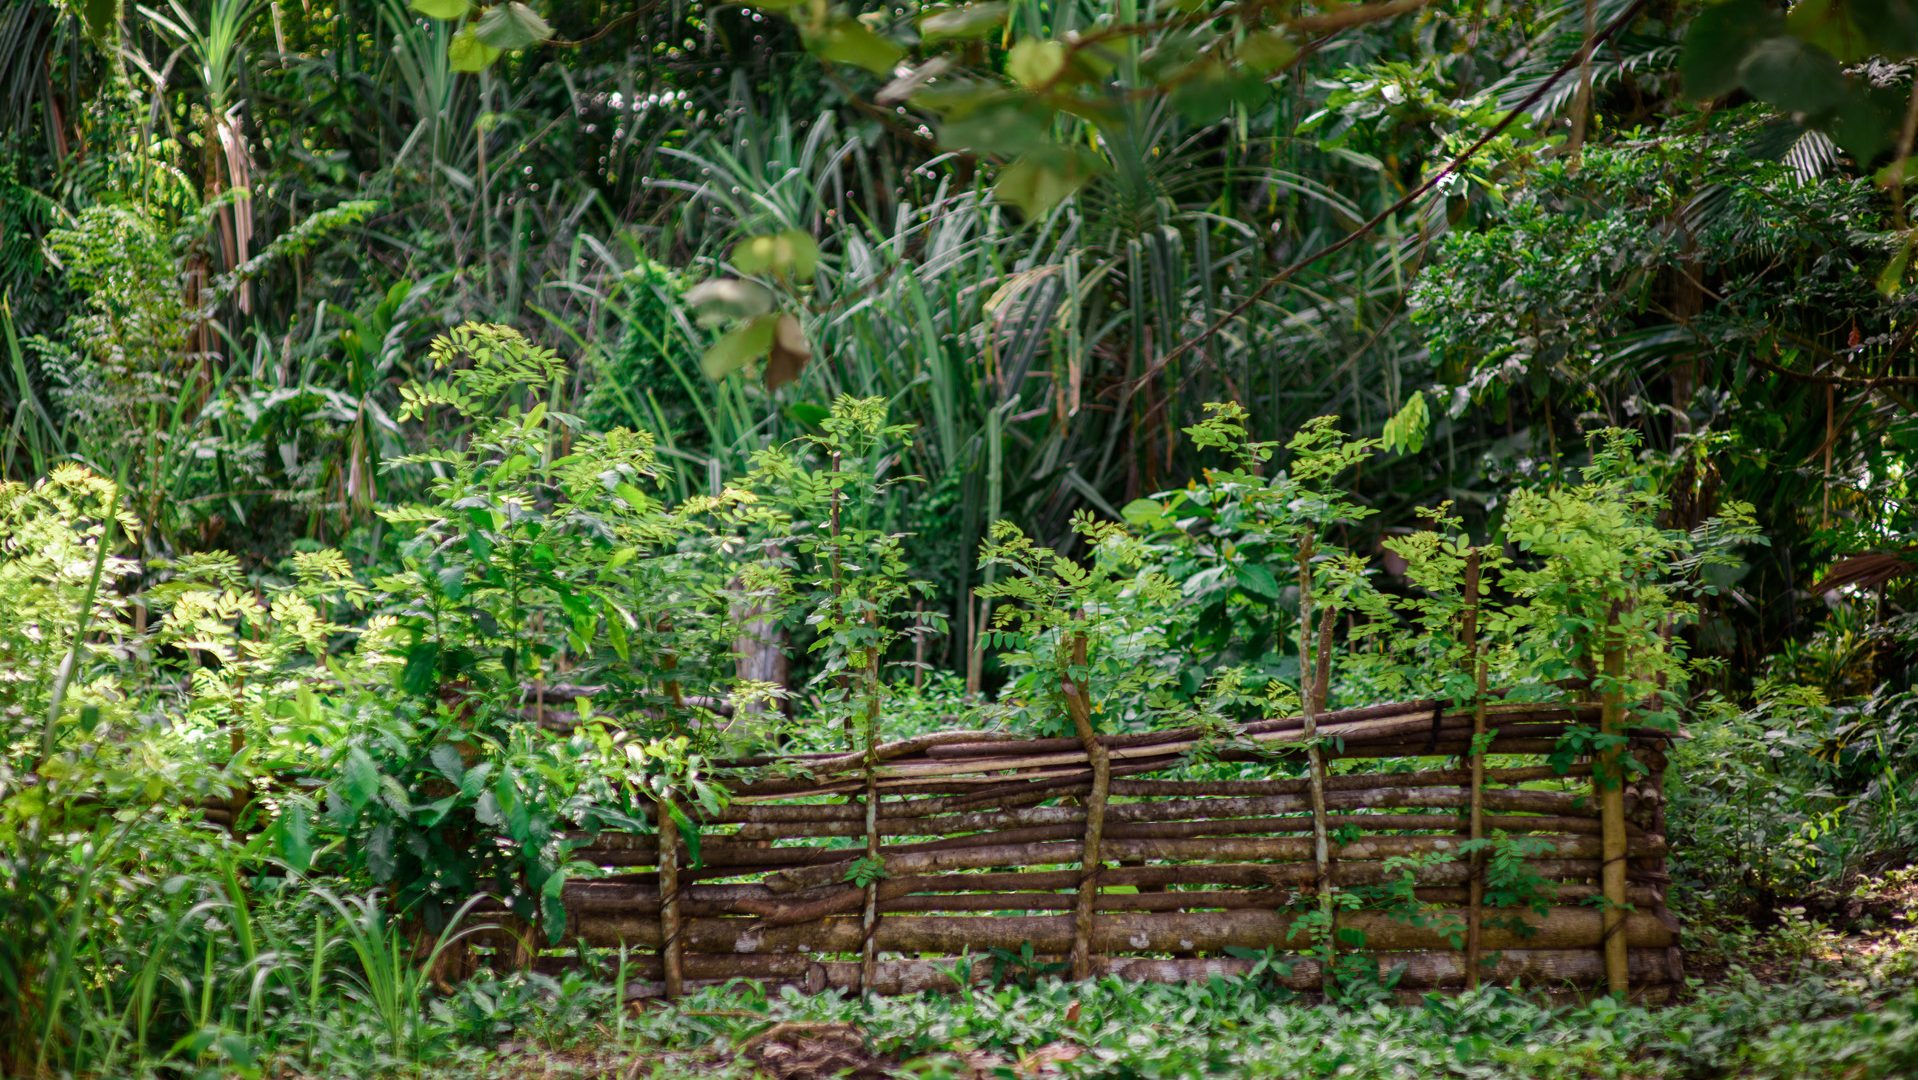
(406, 411)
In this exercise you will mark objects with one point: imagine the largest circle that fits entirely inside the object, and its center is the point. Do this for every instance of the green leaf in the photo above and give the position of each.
(446, 758)
(1266, 51)
(101, 17)
(1005, 124)
(468, 53)
(616, 633)
(740, 347)
(294, 836)
(1867, 121)
(1792, 75)
(971, 21)
(1208, 91)
(849, 41)
(1828, 24)
(1033, 63)
(1891, 280)
(1046, 177)
(1717, 42)
(1257, 579)
(1892, 26)
(1405, 431)
(808, 414)
(511, 26)
(360, 780)
(378, 847)
(1143, 513)
(724, 299)
(422, 665)
(442, 9)
(687, 832)
(792, 253)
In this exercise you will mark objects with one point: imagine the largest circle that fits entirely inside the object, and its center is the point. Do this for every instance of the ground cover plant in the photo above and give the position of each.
(437, 437)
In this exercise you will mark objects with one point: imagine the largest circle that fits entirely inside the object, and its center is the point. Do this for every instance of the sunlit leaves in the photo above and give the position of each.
(468, 53)
(1033, 63)
(442, 9)
(790, 253)
(1405, 431)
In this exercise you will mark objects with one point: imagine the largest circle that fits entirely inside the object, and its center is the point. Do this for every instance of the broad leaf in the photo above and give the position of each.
(971, 21)
(442, 9)
(790, 252)
(1792, 75)
(725, 299)
(738, 348)
(1034, 63)
(512, 25)
(1046, 177)
(468, 53)
(1006, 125)
(848, 41)
(1717, 42)
(360, 780)
(1266, 51)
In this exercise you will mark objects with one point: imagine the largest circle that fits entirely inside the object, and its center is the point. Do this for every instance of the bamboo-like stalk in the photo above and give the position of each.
(1475, 904)
(1610, 778)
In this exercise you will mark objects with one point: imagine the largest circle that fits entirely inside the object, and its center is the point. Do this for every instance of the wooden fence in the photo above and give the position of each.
(1087, 851)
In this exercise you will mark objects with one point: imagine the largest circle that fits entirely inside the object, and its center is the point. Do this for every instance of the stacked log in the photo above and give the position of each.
(983, 841)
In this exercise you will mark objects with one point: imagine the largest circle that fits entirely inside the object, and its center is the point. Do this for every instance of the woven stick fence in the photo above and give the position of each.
(1082, 849)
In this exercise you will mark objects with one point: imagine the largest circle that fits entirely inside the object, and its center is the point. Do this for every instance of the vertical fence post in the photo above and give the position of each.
(1079, 706)
(1609, 777)
(1315, 667)
(869, 914)
(671, 948)
(1474, 656)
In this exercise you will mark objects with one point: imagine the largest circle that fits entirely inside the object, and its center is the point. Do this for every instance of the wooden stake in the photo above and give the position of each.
(672, 947)
(1610, 779)
(869, 918)
(1475, 906)
(1079, 706)
(1312, 699)
(672, 944)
